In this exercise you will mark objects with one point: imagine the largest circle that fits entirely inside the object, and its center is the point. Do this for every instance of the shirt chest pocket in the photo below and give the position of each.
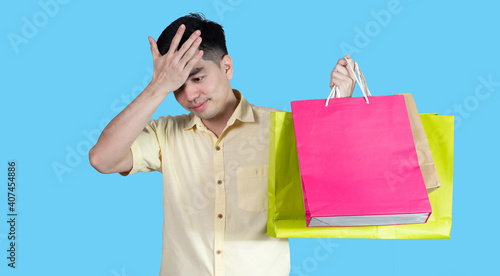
(252, 188)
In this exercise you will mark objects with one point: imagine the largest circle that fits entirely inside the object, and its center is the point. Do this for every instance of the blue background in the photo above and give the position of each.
(80, 62)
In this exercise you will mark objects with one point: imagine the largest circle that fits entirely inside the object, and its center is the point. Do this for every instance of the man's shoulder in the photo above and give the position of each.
(264, 109)
(173, 122)
(262, 114)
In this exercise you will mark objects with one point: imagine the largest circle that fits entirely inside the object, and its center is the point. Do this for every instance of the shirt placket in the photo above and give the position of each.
(220, 208)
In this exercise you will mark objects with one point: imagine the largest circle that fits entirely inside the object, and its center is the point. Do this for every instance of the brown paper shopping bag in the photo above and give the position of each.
(427, 166)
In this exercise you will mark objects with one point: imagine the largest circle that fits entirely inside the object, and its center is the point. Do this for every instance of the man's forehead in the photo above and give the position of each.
(207, 66)
(197, 70)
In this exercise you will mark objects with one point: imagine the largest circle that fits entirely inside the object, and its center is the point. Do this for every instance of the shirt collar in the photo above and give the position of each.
(243, 113)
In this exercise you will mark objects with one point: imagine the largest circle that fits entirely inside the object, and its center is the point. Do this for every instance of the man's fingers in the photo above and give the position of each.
(176, 39)
(341, 80)
(344, 83)
(190, 42)
(154, 48)
(191, 51)
(339, 69)
(192, 62)
(351, 63)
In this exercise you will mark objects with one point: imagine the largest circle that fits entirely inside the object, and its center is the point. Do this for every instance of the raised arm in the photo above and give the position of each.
(112, 152)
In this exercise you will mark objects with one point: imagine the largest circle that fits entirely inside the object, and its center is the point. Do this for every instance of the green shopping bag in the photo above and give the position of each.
(286, 214)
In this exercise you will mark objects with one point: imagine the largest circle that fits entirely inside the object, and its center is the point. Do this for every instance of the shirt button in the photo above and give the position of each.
(220, 216)
(218, 252)
(219, 182)
(217, 148)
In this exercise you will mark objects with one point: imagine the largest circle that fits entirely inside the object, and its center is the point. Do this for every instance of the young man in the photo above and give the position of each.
(214, 160)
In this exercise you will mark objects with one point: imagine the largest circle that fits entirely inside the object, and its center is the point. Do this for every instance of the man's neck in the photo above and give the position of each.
(217, 125)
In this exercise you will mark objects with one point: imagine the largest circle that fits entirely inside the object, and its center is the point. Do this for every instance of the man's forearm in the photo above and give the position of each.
(111, 153)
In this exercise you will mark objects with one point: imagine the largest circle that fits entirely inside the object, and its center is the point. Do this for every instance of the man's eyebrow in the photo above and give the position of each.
(196, 71)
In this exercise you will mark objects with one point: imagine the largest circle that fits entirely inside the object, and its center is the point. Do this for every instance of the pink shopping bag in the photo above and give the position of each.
(357, 162)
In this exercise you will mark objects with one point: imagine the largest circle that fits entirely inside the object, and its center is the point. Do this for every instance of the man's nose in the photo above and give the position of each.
(191, 92)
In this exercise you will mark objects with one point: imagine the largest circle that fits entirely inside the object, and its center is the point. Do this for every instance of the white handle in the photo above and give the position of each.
(359, 79)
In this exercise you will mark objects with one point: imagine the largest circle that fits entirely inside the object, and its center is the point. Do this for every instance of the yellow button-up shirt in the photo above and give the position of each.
(214, 194)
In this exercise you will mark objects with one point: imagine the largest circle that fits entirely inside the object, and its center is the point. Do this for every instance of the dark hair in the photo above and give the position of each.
(213, 41)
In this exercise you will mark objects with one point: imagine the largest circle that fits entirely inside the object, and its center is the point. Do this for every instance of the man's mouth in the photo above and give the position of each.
(200, 107)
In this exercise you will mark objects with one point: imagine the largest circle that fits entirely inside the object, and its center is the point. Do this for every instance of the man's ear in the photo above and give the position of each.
(226, 65)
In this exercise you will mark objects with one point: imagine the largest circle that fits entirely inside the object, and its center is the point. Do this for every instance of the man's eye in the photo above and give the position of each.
(198, 79)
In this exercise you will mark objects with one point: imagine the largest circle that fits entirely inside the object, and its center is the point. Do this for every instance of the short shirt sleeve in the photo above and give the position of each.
(146, 150)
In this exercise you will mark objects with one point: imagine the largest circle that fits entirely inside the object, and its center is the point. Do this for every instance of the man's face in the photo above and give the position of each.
(207, 90)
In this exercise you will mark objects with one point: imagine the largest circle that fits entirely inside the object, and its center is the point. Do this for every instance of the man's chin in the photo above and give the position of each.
(201, 113)
(203, 116)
